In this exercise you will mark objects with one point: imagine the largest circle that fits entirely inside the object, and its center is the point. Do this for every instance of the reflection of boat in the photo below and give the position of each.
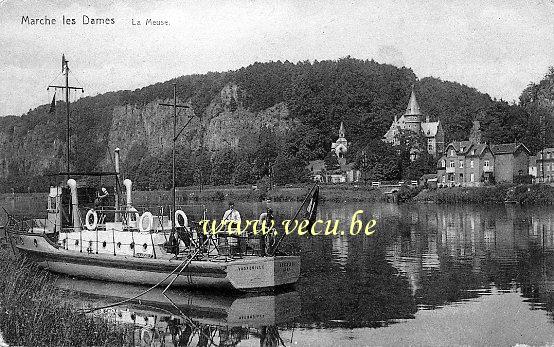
(189, 318)
(120, 243)
(226, 308)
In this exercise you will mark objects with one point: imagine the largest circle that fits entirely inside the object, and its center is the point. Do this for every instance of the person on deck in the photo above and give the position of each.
(266, 237)
(100, 198)
(231, 215)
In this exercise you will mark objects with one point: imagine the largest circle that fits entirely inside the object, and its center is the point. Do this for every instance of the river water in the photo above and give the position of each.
(430, 275)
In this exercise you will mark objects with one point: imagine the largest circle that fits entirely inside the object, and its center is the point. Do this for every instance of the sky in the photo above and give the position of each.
(498, 47)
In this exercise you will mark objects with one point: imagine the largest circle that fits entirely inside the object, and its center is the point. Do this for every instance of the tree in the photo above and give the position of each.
(244, 171)
(223, 166)
(202, 167)
(331, 161)
(378, 161)
(289, 169)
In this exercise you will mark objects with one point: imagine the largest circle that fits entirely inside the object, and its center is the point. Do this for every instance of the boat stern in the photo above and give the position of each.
(263, 272)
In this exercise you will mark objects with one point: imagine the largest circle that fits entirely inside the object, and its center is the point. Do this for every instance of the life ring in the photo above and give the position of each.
(185, 219)
(150, 221)
(94, 220)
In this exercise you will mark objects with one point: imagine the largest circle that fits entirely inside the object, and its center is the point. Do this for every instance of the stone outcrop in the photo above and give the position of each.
(220, 125)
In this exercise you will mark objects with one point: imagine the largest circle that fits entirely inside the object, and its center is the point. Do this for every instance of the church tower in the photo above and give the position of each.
(431, 132)
(341, 146)
(412, 116)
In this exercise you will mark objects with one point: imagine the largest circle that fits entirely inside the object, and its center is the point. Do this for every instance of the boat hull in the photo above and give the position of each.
(247, 274)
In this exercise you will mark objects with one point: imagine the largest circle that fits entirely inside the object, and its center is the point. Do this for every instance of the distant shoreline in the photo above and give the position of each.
(525, 194)
(529, 194)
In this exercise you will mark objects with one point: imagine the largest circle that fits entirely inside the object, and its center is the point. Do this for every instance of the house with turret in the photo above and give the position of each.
(413, 120)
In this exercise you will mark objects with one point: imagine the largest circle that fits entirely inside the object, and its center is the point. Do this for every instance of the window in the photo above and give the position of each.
(547, 167)
(471, 165)
(452, 153)
(473, 152)
(443, 163)
(472, 177)
(461, 164)
(451, 164)
(429, 147)
(540, 167)
(486, 163)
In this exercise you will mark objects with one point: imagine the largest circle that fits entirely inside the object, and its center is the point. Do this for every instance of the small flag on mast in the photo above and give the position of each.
(53, 104)
(64, 62)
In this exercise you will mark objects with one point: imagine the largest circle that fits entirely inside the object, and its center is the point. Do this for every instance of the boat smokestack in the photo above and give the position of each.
(127, 183)
(74, 204)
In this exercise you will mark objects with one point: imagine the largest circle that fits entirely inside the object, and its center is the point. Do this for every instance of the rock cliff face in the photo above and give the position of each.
(30, 148)
(27, 153)
(221, 125)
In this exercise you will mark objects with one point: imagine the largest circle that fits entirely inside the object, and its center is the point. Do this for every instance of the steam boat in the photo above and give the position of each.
(161, 245)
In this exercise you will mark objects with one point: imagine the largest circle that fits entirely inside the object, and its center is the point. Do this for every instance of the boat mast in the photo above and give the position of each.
(67, 87)
(175, 136)
(67, 107)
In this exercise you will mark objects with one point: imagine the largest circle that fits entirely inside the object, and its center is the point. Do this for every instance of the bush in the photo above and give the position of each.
(407, 193)
(34, 312)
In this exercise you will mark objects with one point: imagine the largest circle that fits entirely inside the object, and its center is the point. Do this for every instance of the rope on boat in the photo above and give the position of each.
(185, 262)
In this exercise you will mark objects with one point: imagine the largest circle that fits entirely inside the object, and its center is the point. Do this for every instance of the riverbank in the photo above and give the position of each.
(527, 194)
(328, 192)
(33, 312)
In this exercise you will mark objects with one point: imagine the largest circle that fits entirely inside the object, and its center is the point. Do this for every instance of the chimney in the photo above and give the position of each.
(128, 184)
(74, 204)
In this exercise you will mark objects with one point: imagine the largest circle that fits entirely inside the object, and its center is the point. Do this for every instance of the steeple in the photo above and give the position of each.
(341, 131)
(413, 107)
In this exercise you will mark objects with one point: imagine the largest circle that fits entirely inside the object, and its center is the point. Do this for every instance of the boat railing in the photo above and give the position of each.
(109, 221)
(25, 223)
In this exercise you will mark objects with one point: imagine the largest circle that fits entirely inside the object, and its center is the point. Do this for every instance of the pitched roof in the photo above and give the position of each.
(430, 129)
(479, 148)
(428, 176)
(316, 165)
(459, 145)
(507, 148)
(413, 107)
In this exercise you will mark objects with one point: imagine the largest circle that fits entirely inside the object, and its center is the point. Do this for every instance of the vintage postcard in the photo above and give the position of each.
(276, 173)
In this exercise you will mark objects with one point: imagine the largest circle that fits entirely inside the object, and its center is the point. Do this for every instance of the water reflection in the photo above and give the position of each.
(426, 257)
(188, 318)
(425, 262)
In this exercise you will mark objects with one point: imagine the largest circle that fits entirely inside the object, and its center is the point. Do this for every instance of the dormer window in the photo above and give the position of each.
(451, 152)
